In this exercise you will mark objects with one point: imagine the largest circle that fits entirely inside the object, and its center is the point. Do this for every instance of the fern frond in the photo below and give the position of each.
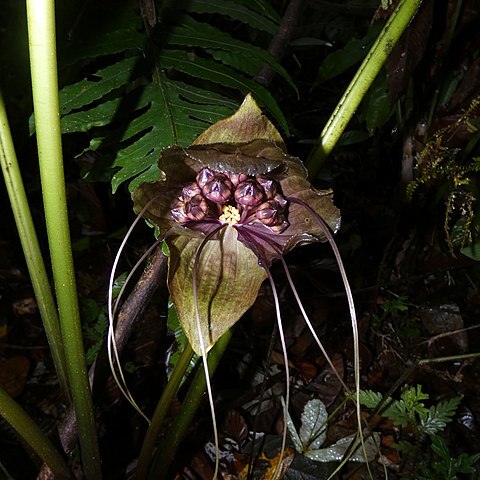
(151, 90)
(223, 47)
(251, 13)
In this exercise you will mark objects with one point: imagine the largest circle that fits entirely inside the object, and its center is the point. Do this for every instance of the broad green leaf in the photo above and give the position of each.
(228, 276)
(85, 120)
(472, 251)
(376, 107)
(234, 10)
(313, 431)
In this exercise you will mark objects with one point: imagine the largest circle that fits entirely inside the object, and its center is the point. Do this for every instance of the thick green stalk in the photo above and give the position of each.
(31, 433)
(363, 79)
(43, 62)
(169, 445)
(31, 248)
(161, 411)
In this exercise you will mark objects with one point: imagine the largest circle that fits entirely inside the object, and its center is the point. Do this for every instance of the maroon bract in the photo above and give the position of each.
(241, 192)
(227, 206)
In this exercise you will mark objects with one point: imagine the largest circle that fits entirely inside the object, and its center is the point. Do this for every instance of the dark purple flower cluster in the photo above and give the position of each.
(233, 198)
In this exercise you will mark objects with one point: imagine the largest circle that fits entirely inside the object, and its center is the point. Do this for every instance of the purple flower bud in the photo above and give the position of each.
(269, 186)
(190, 191)
(178, 212)
(196, 208)
(237, 178)
(249, 193)
(268, 213)
(203, 176)
(218, 188)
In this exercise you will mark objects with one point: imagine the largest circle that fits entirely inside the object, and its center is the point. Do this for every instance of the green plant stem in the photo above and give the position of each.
(161, 411)
(371, 65)
(169, 445)
(41, 37)
(30, 246)
(31, 433)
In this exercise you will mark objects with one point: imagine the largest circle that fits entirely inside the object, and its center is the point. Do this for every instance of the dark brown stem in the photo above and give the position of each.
(153, 276)
(280, 41)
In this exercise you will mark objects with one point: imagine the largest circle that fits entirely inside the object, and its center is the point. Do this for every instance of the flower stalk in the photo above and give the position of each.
(30, 246)
(33, 435)
(43, 61)
(361, 82)
(169, 445)
(161, 412)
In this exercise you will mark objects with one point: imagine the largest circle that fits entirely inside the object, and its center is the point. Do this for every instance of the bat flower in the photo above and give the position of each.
(227, 207)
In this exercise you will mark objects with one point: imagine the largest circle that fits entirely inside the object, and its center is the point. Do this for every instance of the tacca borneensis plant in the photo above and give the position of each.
(227, 207)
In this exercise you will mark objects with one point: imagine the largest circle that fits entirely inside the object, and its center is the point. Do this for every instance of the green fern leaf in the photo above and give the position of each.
(102, 82)
(213, 71)
(85, 120)
(235, 11)
(133, 107)
(230, 51)
(107, 34)
(175, 120)
(262, 7)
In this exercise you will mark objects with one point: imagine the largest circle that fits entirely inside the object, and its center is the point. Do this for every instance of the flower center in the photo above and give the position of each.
(230, 215)
(233, 198)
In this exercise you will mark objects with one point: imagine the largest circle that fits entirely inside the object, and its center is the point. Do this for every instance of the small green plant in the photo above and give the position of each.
(94, 327)
(397, 309)
(410, 410)
(443, 467)
(411, 413)
(313, 434)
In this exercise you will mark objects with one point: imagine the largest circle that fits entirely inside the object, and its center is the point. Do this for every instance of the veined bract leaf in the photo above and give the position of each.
(228, 280)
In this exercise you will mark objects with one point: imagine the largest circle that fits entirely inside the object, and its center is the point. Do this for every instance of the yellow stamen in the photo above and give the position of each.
(230, 215)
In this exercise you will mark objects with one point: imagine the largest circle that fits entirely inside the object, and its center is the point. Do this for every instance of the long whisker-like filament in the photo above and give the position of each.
(302, 309)
(132, 272)
(264, 265)
(287, 371)
(309, 323)
(351, 306)
(112, 352)
(202, 344)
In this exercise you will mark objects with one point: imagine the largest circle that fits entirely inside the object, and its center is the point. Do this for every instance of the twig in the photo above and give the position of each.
(280, 41)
